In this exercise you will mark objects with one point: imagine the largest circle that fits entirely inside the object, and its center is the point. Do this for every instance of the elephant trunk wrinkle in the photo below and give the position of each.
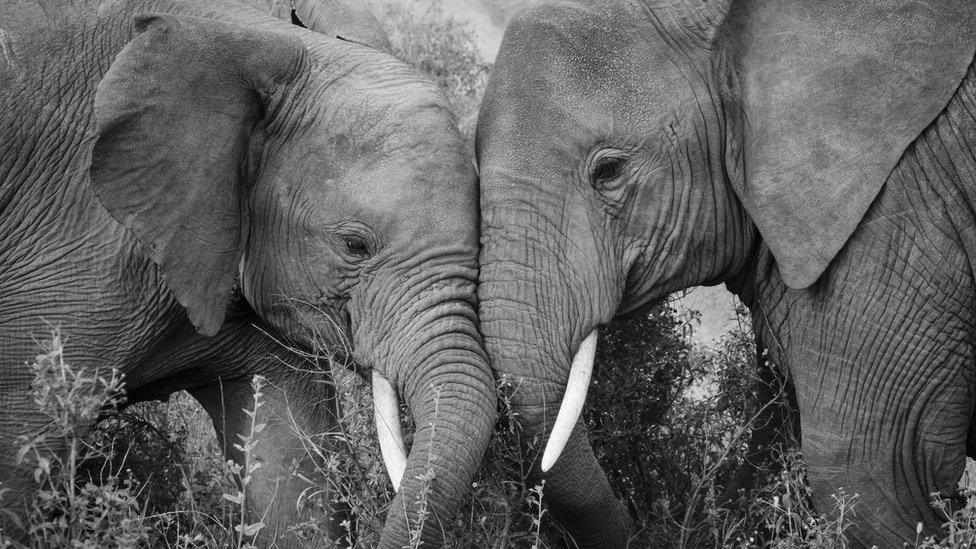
(431, 354)
(454, 412)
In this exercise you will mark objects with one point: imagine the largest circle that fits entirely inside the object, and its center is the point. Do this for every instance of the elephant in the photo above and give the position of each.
(338, 18)
(186, 185)
(816, 157)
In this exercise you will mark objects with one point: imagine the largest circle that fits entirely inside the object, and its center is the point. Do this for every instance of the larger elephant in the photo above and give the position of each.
(183, 183)
(818, 157)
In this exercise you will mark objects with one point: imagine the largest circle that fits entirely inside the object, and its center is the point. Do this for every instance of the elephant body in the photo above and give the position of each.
(150, 167)
(813, 156)
(880, 349)
(67, 264)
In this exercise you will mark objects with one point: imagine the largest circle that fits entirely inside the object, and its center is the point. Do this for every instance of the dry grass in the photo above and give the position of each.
(153, 476)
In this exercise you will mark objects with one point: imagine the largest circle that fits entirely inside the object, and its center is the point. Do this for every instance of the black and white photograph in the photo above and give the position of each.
(488, 274)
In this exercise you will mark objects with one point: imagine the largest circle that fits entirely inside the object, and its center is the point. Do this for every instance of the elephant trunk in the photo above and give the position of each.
(450, 440)
(438, 366)
(537, 320)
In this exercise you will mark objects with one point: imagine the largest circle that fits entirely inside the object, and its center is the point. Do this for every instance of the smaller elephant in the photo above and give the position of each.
(818, 157)
(185, 184)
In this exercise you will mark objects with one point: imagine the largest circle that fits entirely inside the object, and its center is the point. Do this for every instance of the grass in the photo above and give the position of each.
(154, 477)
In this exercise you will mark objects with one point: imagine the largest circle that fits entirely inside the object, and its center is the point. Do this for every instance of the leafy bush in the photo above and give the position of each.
(171, 448)
(91, 484)
(642, 368)
(67, 509)
(665, 436)
(671, 425)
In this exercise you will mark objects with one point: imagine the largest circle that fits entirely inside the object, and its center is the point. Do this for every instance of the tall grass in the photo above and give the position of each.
(153, 477)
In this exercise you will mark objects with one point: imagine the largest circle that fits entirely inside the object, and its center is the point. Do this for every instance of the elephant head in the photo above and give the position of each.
(330, 180)
(632, 148)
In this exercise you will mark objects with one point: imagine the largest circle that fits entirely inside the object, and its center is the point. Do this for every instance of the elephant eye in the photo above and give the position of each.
(607, 169)
(357, 246)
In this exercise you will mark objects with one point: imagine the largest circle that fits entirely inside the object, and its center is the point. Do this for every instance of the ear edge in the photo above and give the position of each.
(345, 20)
(803, 258)
(120, 123)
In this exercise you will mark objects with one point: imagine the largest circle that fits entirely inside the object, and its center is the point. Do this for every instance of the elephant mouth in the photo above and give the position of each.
(571, 407)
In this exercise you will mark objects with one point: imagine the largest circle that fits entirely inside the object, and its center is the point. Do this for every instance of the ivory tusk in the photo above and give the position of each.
(573, 398)
(386, 411)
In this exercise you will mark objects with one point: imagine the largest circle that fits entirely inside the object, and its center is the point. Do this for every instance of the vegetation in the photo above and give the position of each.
(663, 420)
(670, 423)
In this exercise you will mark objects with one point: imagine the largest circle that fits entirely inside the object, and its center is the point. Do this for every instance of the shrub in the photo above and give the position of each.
(69, 509)
(673, 440)
(642, 369)
(171, 448)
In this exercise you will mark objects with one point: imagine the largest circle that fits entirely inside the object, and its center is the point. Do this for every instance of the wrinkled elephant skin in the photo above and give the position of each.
(185, 184)
(816, 156)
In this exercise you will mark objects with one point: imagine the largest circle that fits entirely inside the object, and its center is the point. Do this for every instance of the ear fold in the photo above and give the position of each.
(832, 92)
(175, 112)
(349, 20)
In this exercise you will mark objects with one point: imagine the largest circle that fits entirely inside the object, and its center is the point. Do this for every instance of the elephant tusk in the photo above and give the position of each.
(573, 398)
(386, 411)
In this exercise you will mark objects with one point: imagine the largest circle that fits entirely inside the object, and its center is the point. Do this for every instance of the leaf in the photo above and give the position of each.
(235, 499)
(249, 530)
(23, 452)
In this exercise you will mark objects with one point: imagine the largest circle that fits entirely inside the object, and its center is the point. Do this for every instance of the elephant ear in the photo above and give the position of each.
(832, 93)
(175, 113)
(349, 20)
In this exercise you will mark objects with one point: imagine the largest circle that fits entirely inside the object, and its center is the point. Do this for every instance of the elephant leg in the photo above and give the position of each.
(893, 450)
(297, 409)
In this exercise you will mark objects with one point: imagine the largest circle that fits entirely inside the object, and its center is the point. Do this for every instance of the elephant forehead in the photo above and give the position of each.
(594, 47)
(414, 147)
(395, 195)
(409, 181)
(377, 126)
(362, 100)
(568, 75)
